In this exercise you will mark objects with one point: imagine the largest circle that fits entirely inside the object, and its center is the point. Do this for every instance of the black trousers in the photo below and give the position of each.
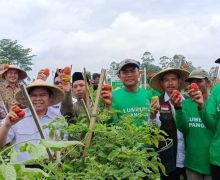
(215, 171)
(175, 175)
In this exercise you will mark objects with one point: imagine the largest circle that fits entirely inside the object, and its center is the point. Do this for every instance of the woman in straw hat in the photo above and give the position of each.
(11, 75)
(42, 95)
(166, 81)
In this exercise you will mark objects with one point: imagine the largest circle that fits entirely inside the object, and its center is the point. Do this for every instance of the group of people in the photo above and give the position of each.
(190, 120)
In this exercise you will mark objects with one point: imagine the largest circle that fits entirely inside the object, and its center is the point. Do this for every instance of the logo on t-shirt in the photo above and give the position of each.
(196, 122)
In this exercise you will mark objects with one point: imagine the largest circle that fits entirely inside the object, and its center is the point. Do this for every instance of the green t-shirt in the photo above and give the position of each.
(197, 136)
(211, 118)
(133, 103)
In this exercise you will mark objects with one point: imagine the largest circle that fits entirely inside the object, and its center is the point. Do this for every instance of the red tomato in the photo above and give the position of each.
(106, 87)
(46, 72)
(21, 114)
(16, 109)
(67, 70)
(193, 86)
(14, 119)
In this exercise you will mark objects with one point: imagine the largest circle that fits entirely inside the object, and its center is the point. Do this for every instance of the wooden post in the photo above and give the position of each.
(86, 110)
(35, 116)
(87, 88)
(88, 137)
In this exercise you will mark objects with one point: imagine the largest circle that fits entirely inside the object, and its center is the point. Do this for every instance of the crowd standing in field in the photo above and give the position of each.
(191, 122)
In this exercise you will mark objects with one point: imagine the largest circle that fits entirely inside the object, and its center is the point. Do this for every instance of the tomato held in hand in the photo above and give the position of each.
(46, 72)
(67, 70)
(176, 94)
(21, 114)
(16, 109)
(193, 86)
(106, 87)
(14, 119)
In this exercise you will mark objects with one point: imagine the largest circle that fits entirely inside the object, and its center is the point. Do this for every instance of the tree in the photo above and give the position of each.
(164, 61)
(178, 61)
(13, 53)
(147, 62)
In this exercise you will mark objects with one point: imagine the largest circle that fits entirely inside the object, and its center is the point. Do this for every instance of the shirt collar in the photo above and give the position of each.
(49, 113)
(166, 97)
(8, 85)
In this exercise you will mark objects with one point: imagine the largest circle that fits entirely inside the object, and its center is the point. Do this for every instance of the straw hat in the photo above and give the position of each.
(155, 81)
(57, 95)
(21, 73)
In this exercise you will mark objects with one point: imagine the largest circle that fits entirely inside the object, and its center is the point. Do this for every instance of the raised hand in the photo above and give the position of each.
(106, 95)
(176, 99)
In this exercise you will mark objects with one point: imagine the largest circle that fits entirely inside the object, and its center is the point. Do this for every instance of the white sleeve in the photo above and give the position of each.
(11, 133)
(156, 119)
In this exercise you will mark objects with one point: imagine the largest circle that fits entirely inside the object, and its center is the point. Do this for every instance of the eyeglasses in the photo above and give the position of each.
(57, 82)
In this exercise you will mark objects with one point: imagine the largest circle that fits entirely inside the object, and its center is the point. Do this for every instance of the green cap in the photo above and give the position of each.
(197, 74)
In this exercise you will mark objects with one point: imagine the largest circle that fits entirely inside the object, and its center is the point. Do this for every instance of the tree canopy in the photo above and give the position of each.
(13, 53)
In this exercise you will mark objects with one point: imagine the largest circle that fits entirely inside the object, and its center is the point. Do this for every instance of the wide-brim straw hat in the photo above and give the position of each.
(155, 81)
(56, 98)
(21, 73)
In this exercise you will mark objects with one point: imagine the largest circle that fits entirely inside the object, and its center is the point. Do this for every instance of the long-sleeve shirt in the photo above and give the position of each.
(211, 118)
(198, 137)
(26, 129)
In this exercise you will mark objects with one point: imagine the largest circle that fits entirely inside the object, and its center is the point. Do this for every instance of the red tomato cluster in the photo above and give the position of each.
(20, 113)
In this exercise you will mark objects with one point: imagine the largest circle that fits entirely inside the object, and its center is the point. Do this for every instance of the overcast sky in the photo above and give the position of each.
(92, 33)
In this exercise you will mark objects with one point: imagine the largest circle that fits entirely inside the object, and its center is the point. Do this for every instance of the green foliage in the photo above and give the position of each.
(120, 151)
(13, 53)
(7, 172)
(58, 145)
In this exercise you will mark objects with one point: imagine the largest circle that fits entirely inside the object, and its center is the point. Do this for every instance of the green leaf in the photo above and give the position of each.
(23, 148)
(36, 150)
(13, 156)
(34, 172)
(113, 155)
(8, 172)
(57, 145)
(162, 168)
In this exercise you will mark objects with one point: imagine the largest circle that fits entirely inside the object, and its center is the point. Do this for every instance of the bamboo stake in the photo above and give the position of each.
(86, 110)
(87, 87)
(57, 153)
(34, 114)
(88, 137)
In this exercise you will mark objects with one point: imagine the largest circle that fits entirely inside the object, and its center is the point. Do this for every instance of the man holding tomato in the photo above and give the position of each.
(131, 99)
(210, 115)
(170, 81)
(19, 125)
(197, 136)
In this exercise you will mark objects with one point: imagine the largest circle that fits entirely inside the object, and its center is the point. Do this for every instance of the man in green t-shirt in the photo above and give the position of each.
(210, 115)
(190, 124)
(131, 99)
